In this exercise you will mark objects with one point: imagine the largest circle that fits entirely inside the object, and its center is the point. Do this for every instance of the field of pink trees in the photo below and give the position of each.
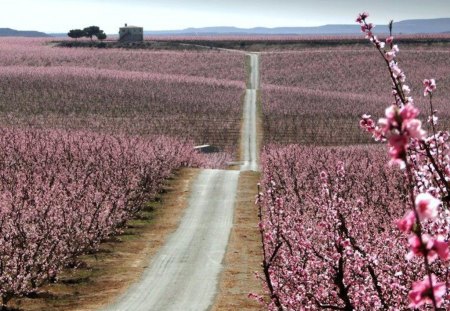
(314, 96)
(194, 96)
(286, 38)
(62, 193)
(88, 136)
(359, 227)
(203, 110)
(40, 53)
(331, 225)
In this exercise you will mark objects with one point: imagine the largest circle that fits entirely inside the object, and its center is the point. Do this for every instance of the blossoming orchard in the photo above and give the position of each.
(361, 228)
(234, 172)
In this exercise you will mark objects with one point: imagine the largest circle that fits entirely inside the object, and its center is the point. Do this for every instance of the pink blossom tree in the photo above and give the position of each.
(63, 193)
(366, 233)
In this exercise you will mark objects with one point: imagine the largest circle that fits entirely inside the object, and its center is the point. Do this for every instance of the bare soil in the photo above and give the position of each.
(107, 274)
(244, 256)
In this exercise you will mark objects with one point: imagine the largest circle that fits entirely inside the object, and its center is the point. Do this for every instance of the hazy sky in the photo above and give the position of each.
(62, 15)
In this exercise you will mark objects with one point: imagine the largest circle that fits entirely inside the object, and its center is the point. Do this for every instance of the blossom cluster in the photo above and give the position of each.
(342, 229)
(425, 160)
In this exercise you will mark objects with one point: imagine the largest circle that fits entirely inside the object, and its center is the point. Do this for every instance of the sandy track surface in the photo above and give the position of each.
(248, 138)
(184, 274)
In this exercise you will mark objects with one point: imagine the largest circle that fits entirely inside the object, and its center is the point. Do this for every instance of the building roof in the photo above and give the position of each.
(130, 27)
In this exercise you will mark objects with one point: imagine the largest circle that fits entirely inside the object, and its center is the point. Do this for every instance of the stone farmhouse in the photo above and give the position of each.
(131, 34)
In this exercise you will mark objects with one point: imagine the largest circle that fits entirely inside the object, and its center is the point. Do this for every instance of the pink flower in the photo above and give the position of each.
(406, 89)
(440, 247)
(409, 100)
(407, 222)
(389, 56)
(417, 248)
(389, 40)
(414, 128)
(422, 292)
(427, 205)
(396, 71)
(361, 17)
(367, 28)
(367, 123)
(383, 125)
(430, 86)
(434, 247)
(391, 112)
(397, 145)
(409, 112)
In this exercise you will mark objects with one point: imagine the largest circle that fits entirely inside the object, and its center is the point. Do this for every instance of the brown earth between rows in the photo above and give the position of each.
(244, 255)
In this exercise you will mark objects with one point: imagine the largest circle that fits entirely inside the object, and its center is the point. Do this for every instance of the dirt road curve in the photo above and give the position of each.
(184, 274)
(248, 139)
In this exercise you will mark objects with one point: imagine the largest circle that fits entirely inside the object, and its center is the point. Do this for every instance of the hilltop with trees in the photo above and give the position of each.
(88, 32)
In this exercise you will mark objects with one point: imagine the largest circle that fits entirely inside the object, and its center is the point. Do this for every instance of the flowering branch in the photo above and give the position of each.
(403, 132)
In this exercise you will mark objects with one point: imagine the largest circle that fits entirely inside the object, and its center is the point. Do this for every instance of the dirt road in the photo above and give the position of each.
(184, 274)
(248, 138)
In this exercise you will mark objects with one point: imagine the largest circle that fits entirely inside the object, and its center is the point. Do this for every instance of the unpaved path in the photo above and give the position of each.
(184, 274)
(248, 138)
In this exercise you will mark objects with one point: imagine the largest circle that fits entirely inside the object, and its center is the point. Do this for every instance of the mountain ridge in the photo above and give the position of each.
(9, 32)
(412, 26)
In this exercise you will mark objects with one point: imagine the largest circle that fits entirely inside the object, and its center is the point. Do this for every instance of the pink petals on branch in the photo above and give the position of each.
(430, 86)
(389, 40)
(399, 126)
(434, 247)
(425, 159)
(407, 222)
(411, 125)
(414, 128)
(409, 112)
(389, 56)
(361, 17)
(367, 123)
(427, 206)
(422, 292)
(397, 148)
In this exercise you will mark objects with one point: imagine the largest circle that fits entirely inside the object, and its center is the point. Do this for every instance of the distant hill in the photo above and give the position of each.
(413, 26)
(438, 25)
(8, 32)
(416, 26)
